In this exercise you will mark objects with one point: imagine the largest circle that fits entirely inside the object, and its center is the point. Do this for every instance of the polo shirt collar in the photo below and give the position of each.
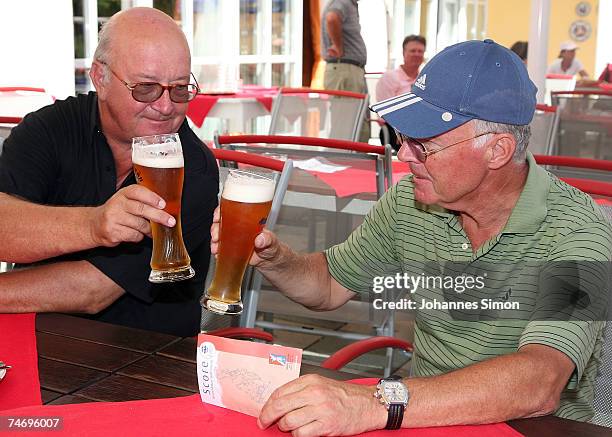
(530, 209)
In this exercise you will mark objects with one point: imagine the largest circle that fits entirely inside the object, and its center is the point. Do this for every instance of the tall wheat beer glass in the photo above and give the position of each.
(159, 166)
(245, 203)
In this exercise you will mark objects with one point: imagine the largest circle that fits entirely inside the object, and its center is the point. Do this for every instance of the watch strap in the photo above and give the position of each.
(395, 411)
(396, 415)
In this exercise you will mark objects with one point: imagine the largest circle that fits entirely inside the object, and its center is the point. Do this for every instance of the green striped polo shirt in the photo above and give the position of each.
(552, 225)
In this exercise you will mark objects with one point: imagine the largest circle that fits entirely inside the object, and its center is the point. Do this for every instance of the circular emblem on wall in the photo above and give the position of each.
(580, 30)
(583, 9)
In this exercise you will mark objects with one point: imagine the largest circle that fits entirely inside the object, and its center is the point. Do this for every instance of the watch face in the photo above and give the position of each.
(394, 392)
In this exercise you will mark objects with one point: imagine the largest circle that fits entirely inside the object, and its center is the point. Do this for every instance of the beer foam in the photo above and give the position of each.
(154, 157)
(248, 189)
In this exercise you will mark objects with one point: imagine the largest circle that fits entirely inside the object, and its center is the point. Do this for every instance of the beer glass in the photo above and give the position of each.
(159, 166)
(245, 203)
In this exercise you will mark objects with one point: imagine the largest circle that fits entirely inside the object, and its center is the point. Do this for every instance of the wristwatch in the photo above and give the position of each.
(393, 394)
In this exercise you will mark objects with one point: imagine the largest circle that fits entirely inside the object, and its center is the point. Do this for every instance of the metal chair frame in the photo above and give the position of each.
(316, 147)
(550, 115)
(564, 101)
(382, 155)
(589, 186)
(284, 92)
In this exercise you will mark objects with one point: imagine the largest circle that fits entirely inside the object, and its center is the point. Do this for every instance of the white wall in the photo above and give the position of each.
(603, 53)
(37, 45)
(373, 20)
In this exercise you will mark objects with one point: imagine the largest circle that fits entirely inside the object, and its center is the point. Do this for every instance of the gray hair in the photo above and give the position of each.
(521, 134)
(103, 52)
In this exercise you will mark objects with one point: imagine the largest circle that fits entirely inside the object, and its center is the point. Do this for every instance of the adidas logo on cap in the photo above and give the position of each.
(420, 82)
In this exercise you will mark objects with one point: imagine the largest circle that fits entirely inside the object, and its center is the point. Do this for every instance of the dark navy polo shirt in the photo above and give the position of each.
(59, 156)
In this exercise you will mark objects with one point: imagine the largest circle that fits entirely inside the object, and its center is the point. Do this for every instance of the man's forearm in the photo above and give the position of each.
(502, 388)
(75, 286)
(305, 279)
(334, 30)
(34, 232)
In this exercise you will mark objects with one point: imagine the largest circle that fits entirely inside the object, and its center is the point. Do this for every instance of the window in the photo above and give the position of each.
(476, 19)
(442, 22)
(250, 37)
(255, 41)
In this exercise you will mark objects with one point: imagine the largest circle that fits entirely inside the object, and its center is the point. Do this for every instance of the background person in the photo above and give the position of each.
(400, 80)
(70, 206)
(567, 63)
(344, 51)
(475, 195)
(520, 48)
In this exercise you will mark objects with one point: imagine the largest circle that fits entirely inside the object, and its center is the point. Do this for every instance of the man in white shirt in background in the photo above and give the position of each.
(400, 80)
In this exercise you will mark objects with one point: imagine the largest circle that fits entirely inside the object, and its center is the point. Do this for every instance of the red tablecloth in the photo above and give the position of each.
(200, 106)
(20, 386)
(188, 416)
(156, 417)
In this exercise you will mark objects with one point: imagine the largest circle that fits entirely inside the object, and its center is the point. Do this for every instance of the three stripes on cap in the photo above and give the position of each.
(395, 103)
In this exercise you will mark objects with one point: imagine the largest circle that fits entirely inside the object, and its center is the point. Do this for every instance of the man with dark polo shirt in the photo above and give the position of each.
(72, 213)
(476, 207)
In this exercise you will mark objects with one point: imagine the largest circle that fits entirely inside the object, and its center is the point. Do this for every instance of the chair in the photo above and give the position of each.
(242, 333)
(342, 151)
(348, 353)
(363, 162)
(10, 120)
(602, 402)
(378, 128)
(19, 101)
(318, 113)
(211, 323)
(585, 124)
(16, 102)
(595, 178)
(307, 200)
(6, 125)
(543, 129)
(557, 82)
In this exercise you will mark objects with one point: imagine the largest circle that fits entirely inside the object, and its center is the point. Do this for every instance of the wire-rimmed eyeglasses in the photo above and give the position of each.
(149, 92)
(421, 152)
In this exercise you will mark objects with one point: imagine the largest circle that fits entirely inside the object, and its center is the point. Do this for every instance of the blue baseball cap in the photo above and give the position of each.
(470, 80)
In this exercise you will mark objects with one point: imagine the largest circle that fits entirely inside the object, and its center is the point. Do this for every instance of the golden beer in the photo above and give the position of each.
(159, 166)
(245, 204)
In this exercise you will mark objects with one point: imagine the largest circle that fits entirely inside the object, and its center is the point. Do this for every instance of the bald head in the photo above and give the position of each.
(137, 29)
(139, 46)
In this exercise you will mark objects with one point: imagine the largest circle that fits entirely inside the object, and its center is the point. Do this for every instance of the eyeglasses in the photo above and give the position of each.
(149, 92)
(421, 152)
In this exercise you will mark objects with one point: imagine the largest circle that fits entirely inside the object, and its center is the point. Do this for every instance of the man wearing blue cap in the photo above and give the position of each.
(475, 197)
